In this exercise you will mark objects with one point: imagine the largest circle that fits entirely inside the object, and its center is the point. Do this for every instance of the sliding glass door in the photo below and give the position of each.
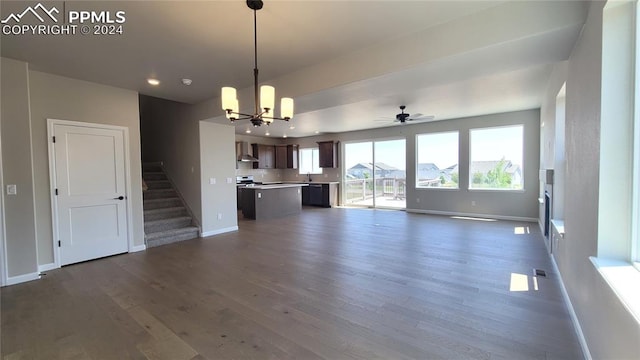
(375, 174)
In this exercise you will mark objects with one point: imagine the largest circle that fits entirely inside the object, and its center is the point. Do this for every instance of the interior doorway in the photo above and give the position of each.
(375, 174)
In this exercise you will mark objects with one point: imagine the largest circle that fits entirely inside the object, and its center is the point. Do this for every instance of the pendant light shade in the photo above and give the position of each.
(286, 108)
(265, 98)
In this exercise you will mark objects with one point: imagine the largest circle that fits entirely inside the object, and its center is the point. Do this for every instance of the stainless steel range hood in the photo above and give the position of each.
(242, 152)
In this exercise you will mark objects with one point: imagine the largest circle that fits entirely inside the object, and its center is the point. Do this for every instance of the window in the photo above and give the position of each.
(437, 160)
(496, 158)
(309, 161)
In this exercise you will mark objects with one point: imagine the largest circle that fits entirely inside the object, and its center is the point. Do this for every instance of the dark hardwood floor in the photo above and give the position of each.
(328, 283)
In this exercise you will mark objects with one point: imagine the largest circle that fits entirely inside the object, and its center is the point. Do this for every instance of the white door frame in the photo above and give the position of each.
(52, 179)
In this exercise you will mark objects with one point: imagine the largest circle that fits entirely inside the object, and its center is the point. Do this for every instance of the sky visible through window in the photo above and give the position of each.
(493, 144)
(390, 152)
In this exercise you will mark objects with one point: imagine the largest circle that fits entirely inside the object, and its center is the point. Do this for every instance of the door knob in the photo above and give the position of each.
(119, 198)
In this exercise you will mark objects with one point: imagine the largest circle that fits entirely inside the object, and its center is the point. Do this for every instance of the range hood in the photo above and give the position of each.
(242, 152)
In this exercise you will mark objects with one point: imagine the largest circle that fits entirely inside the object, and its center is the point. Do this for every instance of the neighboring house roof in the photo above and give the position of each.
(426, 171)
(369, 166)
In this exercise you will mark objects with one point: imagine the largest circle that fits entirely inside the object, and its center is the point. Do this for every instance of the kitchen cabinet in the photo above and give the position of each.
(328, 154)
(286, 156)
(324, 195)
(265, 155)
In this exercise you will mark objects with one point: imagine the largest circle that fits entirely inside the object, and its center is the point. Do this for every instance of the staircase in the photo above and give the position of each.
(166, 219)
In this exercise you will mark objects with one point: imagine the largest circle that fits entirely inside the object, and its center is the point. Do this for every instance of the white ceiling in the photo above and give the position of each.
(346, 63)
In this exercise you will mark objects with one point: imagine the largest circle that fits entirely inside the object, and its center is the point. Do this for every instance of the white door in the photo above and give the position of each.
(91, 197)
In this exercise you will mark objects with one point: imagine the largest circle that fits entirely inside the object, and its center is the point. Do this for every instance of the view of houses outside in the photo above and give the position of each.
(379, 183)
(496, 158)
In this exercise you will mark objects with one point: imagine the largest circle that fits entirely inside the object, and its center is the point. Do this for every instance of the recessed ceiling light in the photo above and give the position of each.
(154, 82)
(317, 132)
(186, 81)
(291, 127)
(248, 131)
(284, 136)
(267, 133)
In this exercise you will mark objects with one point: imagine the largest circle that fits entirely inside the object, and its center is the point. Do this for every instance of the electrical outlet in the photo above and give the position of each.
(473, 203)
(219, 216)
(417, 200)
(259, 195)
(12, 190)
(326, 175)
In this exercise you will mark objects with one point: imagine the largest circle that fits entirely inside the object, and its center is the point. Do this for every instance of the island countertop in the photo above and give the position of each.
(268, 186)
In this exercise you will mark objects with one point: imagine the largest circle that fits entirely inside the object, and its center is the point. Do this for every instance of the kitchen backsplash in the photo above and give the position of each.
(268, 175)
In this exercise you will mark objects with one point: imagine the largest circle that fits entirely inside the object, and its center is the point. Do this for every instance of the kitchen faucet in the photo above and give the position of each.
(309, 177)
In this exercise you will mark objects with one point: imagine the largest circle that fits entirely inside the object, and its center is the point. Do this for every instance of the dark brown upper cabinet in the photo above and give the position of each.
(328, 154)
(286, 156)
(266, 156)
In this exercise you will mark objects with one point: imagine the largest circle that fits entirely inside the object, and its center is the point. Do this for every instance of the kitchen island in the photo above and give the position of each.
(270, 201)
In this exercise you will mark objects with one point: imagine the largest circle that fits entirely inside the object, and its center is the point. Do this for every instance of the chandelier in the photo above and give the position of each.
(264, 99)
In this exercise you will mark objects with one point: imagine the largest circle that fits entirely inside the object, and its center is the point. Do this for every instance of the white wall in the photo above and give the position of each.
(610, 331)
(219, 212)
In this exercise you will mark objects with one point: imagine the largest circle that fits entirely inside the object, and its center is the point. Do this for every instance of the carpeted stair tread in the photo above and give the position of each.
(166, 219)
(159, 194)
(166, 224)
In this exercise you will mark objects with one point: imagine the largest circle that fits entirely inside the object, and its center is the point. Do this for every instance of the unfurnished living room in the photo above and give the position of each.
(285, 179)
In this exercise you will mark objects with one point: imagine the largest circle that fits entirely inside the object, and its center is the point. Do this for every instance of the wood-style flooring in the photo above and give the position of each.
(328, 283)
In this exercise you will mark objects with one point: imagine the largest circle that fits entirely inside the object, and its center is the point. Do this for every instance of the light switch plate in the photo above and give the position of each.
(229, 180)
(259, 195)
(12, 189)
(212, 181)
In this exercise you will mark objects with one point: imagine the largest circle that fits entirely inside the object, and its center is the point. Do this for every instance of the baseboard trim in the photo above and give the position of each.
(574, 318)
(47, 267)
(219, 231)
(137, 248)
(13, 280)
(484, 216)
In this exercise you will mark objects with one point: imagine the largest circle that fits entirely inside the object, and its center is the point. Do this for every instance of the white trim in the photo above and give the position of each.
(47, 267)
(622, 277)
(12, 280)
(574, 318)
(51, 123)
(137, 248)
(219, 231)
(484, 216)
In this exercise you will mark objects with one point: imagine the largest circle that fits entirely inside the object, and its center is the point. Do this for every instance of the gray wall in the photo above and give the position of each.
(28, 99)
(170, 135)
(218, 163)
(519, 204)
(610, 331)
(19, 209)
(56, 97)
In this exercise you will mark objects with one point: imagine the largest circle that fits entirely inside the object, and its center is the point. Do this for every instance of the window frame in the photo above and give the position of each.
(522, 166)
(417, 159)
(315, 161)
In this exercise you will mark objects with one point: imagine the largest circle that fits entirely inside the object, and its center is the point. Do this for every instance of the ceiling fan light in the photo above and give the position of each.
(286, 108)
(267, 98)
(229, 99)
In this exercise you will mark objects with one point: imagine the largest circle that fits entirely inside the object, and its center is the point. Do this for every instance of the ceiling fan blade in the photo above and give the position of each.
(417, 115)
(423, 118)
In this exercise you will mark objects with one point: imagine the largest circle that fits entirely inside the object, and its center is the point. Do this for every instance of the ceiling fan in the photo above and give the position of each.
(404, 117)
